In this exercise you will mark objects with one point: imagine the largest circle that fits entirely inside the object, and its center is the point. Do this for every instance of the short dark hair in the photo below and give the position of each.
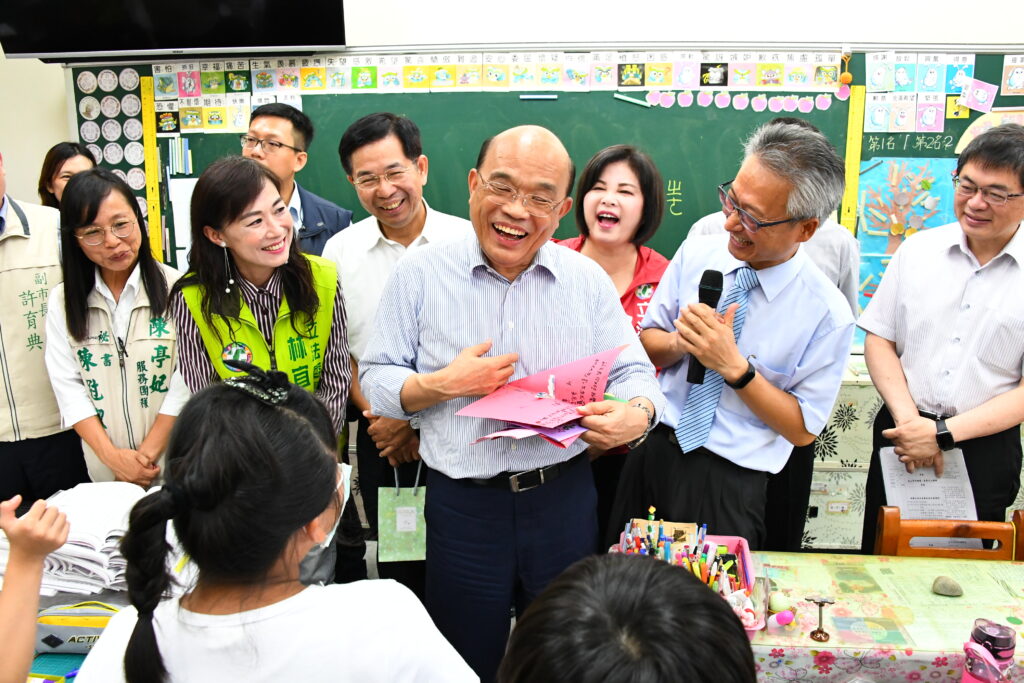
(650, 188)
(482, 156)
(301, 123)
(53, 162)
(83, 195)
(627, 619)
(242, 477)
(374, 127)
(1001, 147)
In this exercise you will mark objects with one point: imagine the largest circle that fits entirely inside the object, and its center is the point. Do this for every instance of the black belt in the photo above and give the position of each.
(518, 482)
(932, 416)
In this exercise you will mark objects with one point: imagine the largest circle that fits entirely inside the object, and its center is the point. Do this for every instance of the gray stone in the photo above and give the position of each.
(943, 585)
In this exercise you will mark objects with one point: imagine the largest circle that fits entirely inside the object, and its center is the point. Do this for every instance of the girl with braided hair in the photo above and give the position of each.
(252, 485)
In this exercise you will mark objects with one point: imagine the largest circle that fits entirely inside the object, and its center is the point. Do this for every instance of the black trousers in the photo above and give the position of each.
(38, 468)
(993, 466)
(699, 487)
(789, 493)
(489, 550)
(375, 471)
(607, 471)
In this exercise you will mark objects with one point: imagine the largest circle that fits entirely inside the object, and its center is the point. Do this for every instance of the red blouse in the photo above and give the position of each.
(650, 266)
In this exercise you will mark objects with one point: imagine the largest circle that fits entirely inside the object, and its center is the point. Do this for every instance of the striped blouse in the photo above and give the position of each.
(198, 371)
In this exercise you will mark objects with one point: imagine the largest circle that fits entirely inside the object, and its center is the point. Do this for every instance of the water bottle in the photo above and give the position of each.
(989, 653)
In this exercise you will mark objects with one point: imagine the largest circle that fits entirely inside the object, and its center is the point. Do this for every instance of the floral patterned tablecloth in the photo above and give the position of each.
(886, 624)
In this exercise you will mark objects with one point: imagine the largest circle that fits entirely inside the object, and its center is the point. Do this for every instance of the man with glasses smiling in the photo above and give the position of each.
(460, 319)
(279, 137)
(832, 247)
(774, 351)
(945, 342)
(382, 156)
(836, 252)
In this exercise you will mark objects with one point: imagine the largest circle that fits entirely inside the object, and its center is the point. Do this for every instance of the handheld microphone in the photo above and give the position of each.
(709, 292)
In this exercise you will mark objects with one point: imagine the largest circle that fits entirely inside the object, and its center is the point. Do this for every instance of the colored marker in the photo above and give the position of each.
(631, 100)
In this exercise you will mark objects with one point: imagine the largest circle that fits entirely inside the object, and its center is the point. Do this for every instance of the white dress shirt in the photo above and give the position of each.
(365, 259)
(832, 248)
(797, 334)
(958, 326)
(65, 375)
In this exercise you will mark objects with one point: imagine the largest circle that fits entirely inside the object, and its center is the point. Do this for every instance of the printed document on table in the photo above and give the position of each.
(922, 495)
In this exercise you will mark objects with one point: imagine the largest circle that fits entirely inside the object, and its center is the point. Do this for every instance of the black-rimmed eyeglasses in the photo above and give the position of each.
(749, 223)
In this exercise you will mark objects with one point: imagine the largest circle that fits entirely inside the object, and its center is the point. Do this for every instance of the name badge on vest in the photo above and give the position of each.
(236, 351)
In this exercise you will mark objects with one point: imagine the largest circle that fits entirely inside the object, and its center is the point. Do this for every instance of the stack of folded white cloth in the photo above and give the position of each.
(91, 560)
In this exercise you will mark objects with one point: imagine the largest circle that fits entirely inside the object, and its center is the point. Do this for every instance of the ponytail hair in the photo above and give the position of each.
(145, 548)
(247, 467)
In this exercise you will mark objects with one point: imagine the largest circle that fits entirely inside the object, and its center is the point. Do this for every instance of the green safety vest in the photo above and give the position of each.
(300, 356)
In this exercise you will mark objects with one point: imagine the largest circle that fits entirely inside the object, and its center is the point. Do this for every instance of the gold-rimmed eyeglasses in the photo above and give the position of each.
(535, 205)
(94, 235)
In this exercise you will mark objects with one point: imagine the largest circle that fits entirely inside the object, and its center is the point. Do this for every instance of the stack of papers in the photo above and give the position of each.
(91, 560)
(545, 404)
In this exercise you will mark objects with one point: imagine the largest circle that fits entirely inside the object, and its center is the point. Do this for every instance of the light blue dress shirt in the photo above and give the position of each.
(797, 334)
(444, 297)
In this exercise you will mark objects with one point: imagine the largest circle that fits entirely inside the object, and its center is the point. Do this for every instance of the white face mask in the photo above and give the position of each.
(345, 475)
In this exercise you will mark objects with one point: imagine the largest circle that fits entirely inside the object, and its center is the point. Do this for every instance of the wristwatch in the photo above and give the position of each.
(943, 437)
(650, 425)
(745, 378)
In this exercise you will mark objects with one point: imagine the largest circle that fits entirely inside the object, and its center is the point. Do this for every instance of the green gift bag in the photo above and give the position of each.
(401, 528)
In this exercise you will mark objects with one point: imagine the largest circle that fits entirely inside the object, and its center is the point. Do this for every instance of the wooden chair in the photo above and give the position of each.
(894, 535)
(1018, 524)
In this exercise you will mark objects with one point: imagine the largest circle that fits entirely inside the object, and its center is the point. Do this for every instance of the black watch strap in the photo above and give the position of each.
(943, 436)
(745, 378)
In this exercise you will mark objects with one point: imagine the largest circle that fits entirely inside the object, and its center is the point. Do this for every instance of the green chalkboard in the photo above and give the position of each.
(695, 147)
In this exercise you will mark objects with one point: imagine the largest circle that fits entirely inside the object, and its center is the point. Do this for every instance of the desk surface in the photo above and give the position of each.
(886, 624)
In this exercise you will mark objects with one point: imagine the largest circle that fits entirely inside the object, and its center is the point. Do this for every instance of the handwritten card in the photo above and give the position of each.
(524, 405)
(528, 402)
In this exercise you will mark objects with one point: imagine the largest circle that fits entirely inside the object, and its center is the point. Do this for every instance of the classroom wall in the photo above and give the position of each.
(35, 115)
(33, 118)
(794, 23)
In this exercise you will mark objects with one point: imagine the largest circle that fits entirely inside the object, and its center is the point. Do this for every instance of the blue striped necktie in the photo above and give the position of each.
(699, 412)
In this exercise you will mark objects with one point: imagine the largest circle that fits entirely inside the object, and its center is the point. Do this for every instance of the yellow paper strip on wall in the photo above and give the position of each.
(854, 142)
(152, 168)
